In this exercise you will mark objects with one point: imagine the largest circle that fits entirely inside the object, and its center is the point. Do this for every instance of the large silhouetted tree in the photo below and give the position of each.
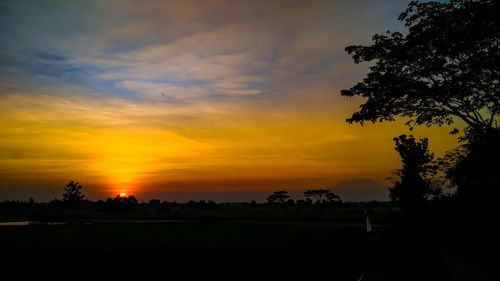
(446, 66)
(413, 187)
(73, 196)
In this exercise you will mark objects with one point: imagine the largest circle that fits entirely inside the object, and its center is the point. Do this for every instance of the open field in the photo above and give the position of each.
(328, 247)
(381, 213)
(441, 243)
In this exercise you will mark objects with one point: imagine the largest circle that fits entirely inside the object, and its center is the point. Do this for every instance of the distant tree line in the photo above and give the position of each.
(318, 205)
(313, 196)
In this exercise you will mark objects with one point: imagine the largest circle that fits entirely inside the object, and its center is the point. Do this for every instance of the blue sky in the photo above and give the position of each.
(156, 97)
(92, 44)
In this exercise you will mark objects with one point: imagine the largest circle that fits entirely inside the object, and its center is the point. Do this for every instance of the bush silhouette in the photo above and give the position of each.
(122, 203)
(474, 166)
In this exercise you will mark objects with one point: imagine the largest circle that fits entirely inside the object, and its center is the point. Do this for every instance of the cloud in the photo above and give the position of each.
(251, 94)
(234, 48)
(210, 59)
(158, 91)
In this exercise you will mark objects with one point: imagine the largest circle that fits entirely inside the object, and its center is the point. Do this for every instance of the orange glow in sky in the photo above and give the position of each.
(188, 96)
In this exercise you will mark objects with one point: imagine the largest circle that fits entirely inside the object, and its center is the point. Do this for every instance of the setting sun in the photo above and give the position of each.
(191, 112)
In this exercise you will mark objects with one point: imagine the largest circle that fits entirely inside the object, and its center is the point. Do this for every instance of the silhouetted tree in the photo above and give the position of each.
(320, 195)
(278, 196)
(73, 195)
(446, 66)
(413, 187)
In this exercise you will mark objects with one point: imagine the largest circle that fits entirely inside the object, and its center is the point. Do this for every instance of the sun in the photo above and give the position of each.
(123, 195)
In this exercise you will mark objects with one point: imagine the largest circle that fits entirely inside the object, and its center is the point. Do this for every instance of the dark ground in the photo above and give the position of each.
(321, 248)
(439, 243)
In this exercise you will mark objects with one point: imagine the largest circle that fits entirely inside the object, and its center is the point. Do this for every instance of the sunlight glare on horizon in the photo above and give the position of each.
(181, 96)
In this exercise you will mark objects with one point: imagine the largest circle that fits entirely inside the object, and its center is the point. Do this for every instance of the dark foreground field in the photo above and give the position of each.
(440, 243)
(253, 247)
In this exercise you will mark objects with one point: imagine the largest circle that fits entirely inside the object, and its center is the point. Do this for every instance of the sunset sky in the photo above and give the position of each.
(180, 100)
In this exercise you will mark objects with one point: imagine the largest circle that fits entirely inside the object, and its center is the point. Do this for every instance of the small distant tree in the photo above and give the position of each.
(278, 197)
(321, 195)
(73, 195)
(413, 186)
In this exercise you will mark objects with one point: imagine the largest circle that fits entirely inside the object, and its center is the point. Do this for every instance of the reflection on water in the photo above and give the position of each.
(20, 223)
(10, 223)
(23, 223)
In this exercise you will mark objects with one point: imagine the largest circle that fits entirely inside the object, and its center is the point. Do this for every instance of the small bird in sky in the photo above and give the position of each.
(163, 94)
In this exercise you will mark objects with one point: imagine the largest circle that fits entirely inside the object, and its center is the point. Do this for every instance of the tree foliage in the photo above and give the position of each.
(413, 186)
(321, 195)
(474, 167)
(73, 195)
(278, 197)
(446, 66)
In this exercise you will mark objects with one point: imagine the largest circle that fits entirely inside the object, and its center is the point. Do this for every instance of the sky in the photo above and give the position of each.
(190, 100)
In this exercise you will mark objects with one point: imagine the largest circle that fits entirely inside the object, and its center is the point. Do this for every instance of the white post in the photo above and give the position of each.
(368, 225)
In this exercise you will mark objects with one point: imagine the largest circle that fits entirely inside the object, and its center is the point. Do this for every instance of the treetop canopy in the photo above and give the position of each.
(446, 66)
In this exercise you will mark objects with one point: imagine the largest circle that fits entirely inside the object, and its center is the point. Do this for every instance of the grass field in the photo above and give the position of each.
(327, 247)
(435, 244)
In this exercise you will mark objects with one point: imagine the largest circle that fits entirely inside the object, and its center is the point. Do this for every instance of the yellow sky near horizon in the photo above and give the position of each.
(189, 96)
(115, 145)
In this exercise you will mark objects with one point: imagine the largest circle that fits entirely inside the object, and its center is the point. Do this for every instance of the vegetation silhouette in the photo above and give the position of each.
(122, 203)
(431, 74)
(446, 67)
(73, 196)
(122, 207)
(278, 197)
(413, 186)
(320, 196)
(473, 168)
